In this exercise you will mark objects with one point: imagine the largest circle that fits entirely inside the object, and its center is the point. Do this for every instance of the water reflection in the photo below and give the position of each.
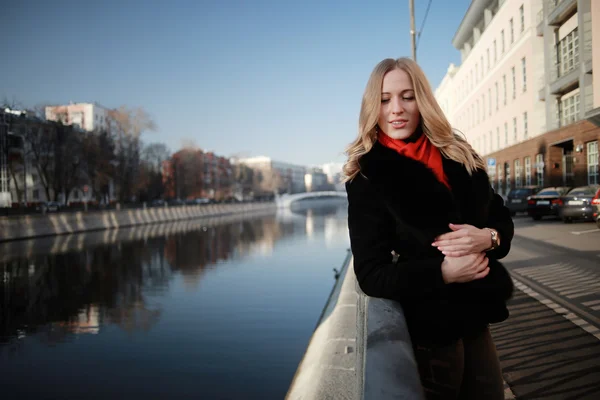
(80, 288)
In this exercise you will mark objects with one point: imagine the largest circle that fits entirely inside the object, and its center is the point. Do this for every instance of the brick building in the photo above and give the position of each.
(566, 156)
(193, 173)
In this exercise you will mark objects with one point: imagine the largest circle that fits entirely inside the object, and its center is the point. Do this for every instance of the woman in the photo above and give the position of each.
(426, 229)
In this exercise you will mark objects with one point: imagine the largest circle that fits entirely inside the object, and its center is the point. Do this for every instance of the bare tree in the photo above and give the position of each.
(153, 157)
(127, 126)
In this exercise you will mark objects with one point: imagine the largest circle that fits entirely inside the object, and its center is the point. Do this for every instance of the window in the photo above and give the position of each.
(36, 194)
(507, 176)
(497, 102)
(524, 71)
(471, 84)
(502, 41)
(483, 107)
(500, 181)
(522, 14)
(568, 52)
(569, 110)
(505, 134)
(592, 162)
(491, 142)
(525, 134)
(514, 83)
(489, 65)
(515, 136)
(495, 51)
(476, 72)
(539, 169)
(489, 101)
(477, 111)
(512, 31)
(481, 63)
(527, 171)
(498, 137)
(504, 87)
(484, 145)
(518, 173)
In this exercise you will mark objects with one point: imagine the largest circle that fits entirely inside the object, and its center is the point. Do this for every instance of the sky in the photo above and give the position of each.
(282, 79)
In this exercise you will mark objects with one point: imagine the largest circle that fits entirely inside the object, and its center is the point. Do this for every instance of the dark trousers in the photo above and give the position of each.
(467, 369)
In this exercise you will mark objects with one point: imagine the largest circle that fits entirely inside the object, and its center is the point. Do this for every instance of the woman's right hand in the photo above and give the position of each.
(465, 268)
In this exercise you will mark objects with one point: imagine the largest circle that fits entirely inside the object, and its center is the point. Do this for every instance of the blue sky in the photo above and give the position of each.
(276, 78)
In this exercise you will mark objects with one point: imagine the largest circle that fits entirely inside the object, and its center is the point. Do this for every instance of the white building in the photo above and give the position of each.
(524, 89)
(316, 180)
(292, 175)
(87, 116)
(334, 175)
(492, 97)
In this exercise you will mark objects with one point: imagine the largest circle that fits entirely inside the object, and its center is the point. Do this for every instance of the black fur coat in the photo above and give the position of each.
(397, 204)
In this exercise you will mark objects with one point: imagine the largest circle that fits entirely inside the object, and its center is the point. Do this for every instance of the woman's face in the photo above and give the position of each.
(399, 115)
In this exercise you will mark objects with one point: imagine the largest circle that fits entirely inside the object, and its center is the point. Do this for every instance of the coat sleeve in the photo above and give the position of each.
(499, 219)
(497, 285)
(371, 232)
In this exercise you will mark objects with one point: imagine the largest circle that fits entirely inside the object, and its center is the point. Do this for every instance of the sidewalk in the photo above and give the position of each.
(545, 355)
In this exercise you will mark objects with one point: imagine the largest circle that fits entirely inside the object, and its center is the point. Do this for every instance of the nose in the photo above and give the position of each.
(397, 106)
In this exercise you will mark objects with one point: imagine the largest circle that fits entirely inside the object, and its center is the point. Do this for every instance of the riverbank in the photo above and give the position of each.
(32, 226)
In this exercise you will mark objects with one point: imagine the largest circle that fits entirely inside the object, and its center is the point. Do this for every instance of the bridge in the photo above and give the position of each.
(286, 200)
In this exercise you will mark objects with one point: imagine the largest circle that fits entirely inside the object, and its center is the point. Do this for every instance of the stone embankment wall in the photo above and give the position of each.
(359, 350)
(30, 226)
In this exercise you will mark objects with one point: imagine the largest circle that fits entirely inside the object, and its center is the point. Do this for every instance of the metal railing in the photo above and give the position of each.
(552, 4)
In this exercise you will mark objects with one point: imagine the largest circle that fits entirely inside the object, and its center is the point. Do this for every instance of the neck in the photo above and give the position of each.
(415, 135)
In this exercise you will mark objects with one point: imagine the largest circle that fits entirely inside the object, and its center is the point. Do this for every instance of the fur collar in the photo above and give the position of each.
(416, 198)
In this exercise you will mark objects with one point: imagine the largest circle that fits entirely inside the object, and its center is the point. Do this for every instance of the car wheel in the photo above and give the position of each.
(537, 217)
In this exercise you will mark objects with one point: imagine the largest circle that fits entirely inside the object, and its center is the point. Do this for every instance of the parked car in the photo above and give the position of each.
(157, 203)
(546, 202)
(176, 202)
(577, 204)
(596, 205)
(49, 206)
(516, 201)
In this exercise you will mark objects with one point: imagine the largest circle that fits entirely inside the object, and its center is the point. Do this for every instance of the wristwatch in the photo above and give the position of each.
(495, 239)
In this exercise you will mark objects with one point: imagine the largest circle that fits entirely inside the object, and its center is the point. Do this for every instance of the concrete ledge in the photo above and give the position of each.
(30, 226)
(59, 244)
(359, 350)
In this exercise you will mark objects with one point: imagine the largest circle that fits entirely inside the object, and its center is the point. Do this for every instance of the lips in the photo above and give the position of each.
(398, 123)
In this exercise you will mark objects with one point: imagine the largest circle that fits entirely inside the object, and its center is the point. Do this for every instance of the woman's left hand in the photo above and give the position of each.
(464, 239)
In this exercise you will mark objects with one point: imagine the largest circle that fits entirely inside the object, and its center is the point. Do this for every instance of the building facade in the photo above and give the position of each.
(287, 178)
(87, 116)
(193, 173)
(34, 161)
(316, 180)
(526, 116)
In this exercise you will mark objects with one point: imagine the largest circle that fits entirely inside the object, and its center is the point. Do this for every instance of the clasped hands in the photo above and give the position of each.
(464, 250)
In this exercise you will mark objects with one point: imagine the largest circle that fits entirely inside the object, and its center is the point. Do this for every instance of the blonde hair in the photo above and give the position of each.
(433, 121)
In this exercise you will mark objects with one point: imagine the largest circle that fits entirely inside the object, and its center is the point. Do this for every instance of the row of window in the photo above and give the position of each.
(568, 112)
(486, 144)
(477, 74)
(502, 173)
(476, 113)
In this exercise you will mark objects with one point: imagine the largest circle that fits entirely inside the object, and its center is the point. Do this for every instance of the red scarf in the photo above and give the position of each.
(421, 150)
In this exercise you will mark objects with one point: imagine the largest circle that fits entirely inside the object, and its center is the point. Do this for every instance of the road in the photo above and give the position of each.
(549, 348)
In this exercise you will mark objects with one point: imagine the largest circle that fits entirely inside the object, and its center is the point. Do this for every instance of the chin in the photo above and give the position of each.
(400, 134)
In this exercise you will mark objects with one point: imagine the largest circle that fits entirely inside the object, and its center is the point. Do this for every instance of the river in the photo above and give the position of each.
(220, 308)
